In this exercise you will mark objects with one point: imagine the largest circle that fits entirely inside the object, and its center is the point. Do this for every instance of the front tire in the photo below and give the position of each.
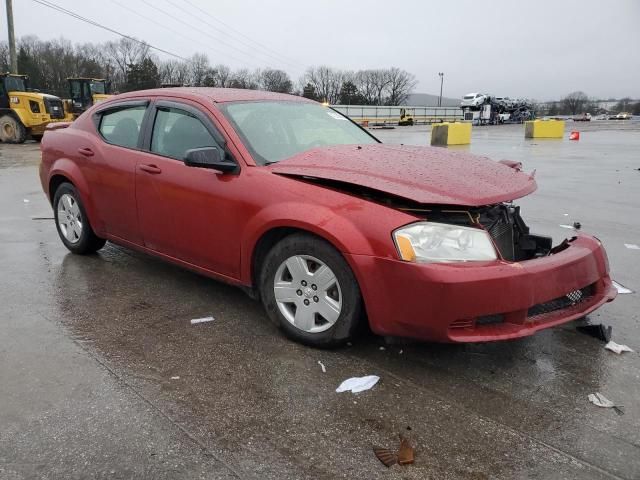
(72, 222)
(310, 292)
(12, 130)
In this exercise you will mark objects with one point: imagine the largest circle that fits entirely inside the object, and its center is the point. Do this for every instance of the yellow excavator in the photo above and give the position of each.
(406, 117)
(83, 93)
(24, 112)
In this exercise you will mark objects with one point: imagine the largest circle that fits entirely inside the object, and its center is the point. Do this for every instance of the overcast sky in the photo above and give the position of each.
(538, 49)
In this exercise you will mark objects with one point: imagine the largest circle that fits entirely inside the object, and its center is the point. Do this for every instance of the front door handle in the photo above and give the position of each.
(150, 169)
(87, 152)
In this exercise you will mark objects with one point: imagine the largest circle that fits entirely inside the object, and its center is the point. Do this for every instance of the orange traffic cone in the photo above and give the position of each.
(574, 135)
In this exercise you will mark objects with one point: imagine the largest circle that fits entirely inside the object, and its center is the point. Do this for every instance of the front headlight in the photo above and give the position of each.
(427, 242)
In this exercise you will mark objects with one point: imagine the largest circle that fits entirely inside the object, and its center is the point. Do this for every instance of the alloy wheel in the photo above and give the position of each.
(307, 293)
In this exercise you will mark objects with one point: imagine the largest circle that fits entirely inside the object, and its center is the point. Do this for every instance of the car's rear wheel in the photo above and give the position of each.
(310, 292)
(72, 222)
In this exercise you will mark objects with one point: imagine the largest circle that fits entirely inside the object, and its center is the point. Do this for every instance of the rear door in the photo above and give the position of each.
(188, 213)
(113, 158)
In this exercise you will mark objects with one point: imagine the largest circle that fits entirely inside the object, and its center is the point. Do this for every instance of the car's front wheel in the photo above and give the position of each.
(72, 221)
(310, 292)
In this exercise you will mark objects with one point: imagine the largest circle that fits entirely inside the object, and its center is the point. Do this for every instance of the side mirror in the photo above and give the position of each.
(209, 157)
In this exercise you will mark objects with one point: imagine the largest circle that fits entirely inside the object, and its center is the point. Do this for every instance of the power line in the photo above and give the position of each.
(267, 51)
(203, 32)
(173, 31)
(60, 9)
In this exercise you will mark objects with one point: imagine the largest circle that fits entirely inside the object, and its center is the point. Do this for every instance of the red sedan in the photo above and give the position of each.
(312, 214)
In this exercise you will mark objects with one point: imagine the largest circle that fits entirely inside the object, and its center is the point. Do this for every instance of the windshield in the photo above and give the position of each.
(98, 87)
(15, 84)
(274, 131)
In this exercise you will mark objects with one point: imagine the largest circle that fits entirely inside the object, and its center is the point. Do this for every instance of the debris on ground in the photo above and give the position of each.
(195, 321)
(358, 384)
(324, 369)
(621, 288)
(617, 348)
(382, 348)
(598, 331)
(601, 401)
(26, 200)
(570, 227)
(577, 225)
(175, 378)
(404, 456)
(632, 246)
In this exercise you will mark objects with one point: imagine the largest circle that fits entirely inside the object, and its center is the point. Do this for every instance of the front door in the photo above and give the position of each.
(188, 213)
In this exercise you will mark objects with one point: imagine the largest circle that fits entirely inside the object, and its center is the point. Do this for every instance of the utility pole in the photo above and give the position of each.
(441, 75)
(13, 60)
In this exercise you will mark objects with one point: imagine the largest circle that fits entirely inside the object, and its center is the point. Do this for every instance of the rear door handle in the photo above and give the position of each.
(150, 169)
(87, 152)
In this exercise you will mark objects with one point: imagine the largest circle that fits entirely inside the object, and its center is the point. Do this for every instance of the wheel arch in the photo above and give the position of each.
(64, 170)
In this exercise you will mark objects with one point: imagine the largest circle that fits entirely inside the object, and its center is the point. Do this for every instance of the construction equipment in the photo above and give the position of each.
(84, 92)
(24, 112)
(406, 118)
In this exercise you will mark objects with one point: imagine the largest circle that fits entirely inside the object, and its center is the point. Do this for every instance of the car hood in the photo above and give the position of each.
(428, 175)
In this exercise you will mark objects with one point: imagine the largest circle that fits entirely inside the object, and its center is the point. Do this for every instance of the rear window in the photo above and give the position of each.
(122, 126)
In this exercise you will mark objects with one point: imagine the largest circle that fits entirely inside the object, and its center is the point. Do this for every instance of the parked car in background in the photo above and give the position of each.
(621, 116)
(583, 117)
(307, 211)
(473, 99)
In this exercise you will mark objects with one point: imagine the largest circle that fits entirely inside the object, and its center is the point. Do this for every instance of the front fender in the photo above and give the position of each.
(68, 169)
(342, 233)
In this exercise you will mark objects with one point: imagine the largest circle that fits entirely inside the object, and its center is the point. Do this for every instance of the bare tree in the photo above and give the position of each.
(365, 82)
(326, 82)
(575, 102)
(125, 52)
(401, 84)
(274, 80)
(223, 75)
(199, 67)
(243, 78)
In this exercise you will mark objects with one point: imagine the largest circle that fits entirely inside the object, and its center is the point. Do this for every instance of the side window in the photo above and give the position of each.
(122, 127)
(176, 131)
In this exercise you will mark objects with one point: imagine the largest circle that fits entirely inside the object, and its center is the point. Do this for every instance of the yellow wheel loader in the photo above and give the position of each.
(84, 92)
(23, 112)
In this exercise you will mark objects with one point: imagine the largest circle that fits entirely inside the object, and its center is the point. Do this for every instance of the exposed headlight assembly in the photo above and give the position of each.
(426, 242)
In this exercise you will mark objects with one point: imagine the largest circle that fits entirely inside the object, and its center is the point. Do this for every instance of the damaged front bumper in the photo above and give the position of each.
(472, 302)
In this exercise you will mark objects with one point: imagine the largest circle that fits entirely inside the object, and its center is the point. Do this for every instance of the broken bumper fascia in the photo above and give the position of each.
(441, 302)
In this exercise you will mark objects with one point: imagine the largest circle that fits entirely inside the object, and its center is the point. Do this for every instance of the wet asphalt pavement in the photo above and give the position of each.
(103, 376)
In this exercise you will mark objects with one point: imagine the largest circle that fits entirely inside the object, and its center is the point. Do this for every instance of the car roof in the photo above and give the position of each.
(217, 95)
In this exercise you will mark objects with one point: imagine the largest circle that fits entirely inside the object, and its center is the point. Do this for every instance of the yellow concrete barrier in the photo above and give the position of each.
(544, 129)
(457, 133)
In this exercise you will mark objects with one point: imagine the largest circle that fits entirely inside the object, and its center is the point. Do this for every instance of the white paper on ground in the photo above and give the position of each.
(617, 348)
(175, 378)
(600, 400)
(621, 288)
(324, 369)
(358, 384)
(26, 200)
(201, 320)
(567, 226)
(632, 246)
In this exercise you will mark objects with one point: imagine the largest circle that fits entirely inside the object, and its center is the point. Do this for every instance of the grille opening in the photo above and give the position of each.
(569, 300)
(490, 319)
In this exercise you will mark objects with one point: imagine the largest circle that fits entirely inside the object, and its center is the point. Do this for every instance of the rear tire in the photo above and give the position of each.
(323, 310)
(72, 222)
(12, 130)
